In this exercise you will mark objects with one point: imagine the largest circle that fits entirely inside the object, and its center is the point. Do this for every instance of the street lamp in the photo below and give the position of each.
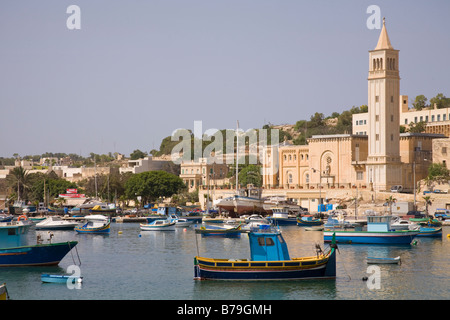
(320, 188)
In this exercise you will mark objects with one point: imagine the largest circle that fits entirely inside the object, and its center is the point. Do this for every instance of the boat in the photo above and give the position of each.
(378, 231)
(274, 201)
(95, 224)
(56, 278)
(55, 223)
(269, 260)
(159, 225)
(14, 251)
(280, 216)
(382, 260)
(247, 200)
(398, 223)
(314, 228)
(307, 221)
(104, 208)
(6, 217)
(226, 231)
(426, 231)
(4, 292)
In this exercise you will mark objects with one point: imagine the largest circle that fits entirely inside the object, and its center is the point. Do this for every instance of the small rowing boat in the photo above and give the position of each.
(375, 260)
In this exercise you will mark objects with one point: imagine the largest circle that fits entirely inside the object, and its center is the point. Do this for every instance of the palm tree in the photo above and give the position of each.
(390, 201)
(427, 203)
(19, 177)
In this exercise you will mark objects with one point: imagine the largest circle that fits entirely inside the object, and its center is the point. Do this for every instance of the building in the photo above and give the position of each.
(201, 173)
(375, 156)
(143, 165)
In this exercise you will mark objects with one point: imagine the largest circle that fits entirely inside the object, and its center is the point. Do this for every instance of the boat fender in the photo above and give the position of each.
(24, 217)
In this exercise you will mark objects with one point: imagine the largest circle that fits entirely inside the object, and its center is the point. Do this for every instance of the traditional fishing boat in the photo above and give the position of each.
(383, 260)
(227, 231)
(307, 221)
(14, 251)
(280, 216)
(56, 278)
(378, 231)
(269, 260)
(426, 231)
(55, 223)
(159, 225)
(3, 292)
(95, 224)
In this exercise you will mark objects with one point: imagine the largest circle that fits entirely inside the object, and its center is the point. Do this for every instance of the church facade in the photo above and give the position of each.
(376, 156)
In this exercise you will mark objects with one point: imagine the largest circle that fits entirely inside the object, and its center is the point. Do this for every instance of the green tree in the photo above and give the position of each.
(438, 171)
(417, 127)
(137, 154)
(151, 185)
(441, 101)
(19, 180)
(420, 102)
(251, 174)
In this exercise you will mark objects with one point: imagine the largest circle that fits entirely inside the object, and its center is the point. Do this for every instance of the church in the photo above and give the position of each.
(376, 158)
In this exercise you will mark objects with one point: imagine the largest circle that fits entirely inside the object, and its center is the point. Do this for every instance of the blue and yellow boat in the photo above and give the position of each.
(269, 260)
(307, 221)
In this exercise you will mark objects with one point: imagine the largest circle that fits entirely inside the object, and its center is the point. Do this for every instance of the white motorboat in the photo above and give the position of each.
(398, 223)
(55, 223)
(159, 225)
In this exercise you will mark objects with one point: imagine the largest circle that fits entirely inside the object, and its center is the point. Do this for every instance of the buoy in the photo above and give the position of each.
(414, 242)
(448, 235)
(140, 235)
(120, 232)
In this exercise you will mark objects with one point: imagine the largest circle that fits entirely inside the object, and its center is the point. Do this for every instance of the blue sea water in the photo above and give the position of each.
(129, 264)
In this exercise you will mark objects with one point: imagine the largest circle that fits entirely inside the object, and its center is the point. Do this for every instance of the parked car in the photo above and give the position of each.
(396, 189)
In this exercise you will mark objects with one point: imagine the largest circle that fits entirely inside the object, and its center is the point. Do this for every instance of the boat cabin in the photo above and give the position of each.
(267, 245)
(379, 223)
(280, 212)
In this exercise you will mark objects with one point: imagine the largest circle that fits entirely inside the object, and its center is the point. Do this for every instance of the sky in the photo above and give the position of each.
(137, 70)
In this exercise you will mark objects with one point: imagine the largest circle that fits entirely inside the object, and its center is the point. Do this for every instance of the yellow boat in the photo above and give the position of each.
(3, 292)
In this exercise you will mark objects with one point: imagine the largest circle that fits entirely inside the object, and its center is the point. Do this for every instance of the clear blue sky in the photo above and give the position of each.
(137, 70)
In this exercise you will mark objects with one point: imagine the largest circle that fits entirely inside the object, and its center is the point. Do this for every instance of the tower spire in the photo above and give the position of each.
(383, 41)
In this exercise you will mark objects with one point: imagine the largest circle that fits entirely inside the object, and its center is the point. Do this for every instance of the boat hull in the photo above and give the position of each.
(52, 278)
(282, 221)
(430, 232)
(219, 269)
(374, 260)
(157, 228)
(364, 237)
(37, 255)
(103, 229)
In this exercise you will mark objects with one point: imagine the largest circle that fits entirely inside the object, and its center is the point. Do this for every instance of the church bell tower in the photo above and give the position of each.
(383, 161)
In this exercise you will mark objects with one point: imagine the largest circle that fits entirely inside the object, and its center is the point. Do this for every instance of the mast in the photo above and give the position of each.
(237, 158)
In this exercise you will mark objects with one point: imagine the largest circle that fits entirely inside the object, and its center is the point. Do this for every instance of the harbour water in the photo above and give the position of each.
(129, 264)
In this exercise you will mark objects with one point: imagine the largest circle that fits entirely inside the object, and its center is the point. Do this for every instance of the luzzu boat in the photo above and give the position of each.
(219, 231)
(378, 232)
(307, 221)
(269, 260)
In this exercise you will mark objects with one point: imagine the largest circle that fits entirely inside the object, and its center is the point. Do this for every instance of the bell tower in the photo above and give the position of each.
(383, 161)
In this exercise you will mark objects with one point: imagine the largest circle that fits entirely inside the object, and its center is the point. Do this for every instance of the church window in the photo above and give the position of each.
(377, 98)
(392, 118)
(359, 175)
(381, 63)
(290, 177)
(377, 117)
(406, 121)
(392, 98)
(392, 137)
(377, 137)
